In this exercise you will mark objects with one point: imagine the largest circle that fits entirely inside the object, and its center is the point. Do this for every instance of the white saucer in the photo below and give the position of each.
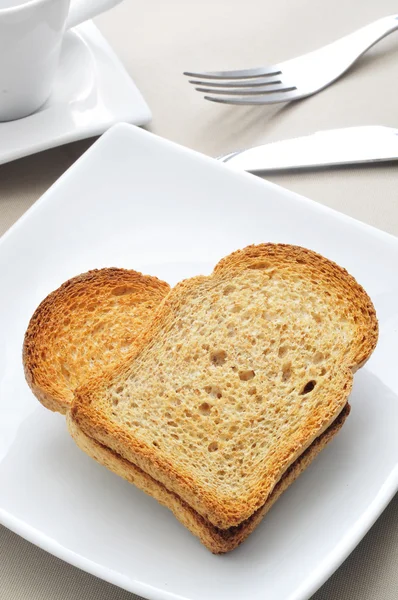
(92, 92)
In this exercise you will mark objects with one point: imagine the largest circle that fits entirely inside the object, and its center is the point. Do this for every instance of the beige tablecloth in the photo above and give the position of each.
(157, 41)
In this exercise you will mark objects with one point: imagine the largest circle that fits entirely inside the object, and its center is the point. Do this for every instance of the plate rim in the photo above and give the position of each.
(304, 592)
(125, 127)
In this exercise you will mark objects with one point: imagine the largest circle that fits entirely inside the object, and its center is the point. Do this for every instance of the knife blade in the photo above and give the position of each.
(350, 145)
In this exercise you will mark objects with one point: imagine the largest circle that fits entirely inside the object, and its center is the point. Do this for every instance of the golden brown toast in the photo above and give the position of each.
(234, 378)
(87, 324)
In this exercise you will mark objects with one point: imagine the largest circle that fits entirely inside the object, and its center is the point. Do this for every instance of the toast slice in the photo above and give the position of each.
(218, 541)
(87, 324)
(235, 377)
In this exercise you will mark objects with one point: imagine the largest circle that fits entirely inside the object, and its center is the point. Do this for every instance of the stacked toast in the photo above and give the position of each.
(212, 396)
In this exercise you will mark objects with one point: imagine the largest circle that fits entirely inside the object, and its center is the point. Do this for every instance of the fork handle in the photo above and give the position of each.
(350, 47)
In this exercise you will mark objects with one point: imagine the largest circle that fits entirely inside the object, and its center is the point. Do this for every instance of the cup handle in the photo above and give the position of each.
(82, 10)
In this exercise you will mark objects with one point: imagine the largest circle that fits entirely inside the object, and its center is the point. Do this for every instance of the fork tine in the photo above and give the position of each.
(237, 83)
(273, 98)
(248, 91)
(239, 74)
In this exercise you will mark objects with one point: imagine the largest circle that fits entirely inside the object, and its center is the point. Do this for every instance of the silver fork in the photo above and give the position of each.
(295, 78)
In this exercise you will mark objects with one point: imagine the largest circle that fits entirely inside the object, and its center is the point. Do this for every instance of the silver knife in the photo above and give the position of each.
(351, 145)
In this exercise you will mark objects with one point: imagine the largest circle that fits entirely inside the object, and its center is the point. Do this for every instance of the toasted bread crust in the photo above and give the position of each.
(333, 276)
(221, 511)
(81, 318)
(218, 541)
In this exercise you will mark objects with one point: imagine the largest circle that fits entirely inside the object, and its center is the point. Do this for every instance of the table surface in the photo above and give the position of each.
(157, 41)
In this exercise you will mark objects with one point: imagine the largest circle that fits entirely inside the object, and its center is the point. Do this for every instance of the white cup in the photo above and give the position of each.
(30, 42)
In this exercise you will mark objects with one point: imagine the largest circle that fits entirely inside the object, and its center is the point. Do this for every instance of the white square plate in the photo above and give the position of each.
(92, 92)
(138, 201)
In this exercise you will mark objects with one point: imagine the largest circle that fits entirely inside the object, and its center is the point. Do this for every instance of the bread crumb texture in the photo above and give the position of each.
(86, 325)
(235, 377)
